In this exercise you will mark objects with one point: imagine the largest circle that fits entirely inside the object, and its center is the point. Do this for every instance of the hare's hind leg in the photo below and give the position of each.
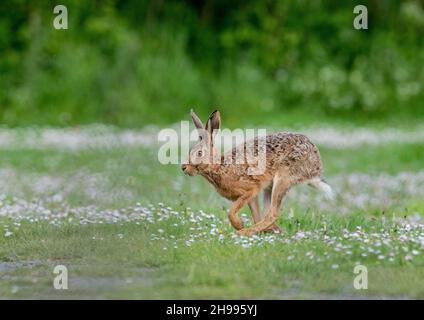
(281, 186)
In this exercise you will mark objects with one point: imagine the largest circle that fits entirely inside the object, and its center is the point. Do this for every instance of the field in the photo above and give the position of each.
(96, 200)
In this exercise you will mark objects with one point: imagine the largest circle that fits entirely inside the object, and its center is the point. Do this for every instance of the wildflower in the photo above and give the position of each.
(8, 233)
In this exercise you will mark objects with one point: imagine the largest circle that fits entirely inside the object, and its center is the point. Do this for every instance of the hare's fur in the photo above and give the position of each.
(291, 159)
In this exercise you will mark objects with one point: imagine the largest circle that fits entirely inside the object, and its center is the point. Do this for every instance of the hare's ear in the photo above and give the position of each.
(197, 122)
(214, 122)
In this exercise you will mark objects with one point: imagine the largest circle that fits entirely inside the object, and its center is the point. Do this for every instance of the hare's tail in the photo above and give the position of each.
(320, 184)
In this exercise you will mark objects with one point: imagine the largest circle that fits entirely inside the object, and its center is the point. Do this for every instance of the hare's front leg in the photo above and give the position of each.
(236, 222)
(267, 203)
(281, 185)
(256, 211)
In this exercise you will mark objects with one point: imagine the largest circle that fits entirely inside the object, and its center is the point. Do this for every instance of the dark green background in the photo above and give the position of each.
(133, 63)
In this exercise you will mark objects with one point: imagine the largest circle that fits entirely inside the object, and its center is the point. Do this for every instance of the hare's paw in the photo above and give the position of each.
(237, 223)
(274, 229)
(246, 232)
(256, 229)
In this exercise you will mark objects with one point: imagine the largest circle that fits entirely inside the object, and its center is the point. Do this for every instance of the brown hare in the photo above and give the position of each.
(290, 159)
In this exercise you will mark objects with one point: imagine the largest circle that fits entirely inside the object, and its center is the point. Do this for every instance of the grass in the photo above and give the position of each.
(128, 227)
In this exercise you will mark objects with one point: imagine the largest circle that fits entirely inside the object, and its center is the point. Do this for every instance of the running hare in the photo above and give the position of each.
(290, 159)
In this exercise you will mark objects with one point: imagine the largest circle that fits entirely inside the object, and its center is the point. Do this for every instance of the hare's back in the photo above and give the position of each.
(283, 149)
(294, 151)
(295, 145)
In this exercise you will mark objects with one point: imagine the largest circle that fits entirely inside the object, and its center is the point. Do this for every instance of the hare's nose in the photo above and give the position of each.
(184, 167)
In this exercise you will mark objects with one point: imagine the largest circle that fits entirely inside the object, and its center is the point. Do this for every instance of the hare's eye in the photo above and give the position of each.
(200, 153)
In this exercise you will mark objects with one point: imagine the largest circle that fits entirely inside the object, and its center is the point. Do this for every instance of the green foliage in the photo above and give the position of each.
(133, 63)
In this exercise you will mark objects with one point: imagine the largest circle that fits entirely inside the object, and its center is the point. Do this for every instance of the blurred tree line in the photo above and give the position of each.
(133, 63)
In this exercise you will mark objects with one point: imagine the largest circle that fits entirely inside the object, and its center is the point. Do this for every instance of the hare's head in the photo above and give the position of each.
(203, 152)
